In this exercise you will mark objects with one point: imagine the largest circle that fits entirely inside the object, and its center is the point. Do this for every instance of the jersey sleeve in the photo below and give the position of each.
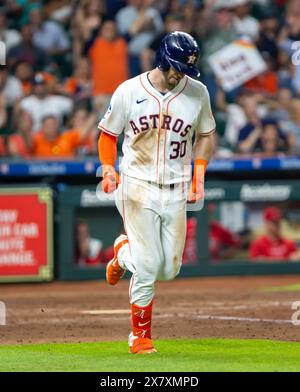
(206, 123)
(113, 121)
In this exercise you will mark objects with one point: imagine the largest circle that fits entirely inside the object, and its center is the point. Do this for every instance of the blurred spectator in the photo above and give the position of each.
(27, 51)
(61, 26)
(221, 32)
(59, 10)
(173, 22)
(51, 82)
(290, 32)
(113, 6)
(262, 137)
(88, 19)
(3, 111)
(272, 246)
(244, 24)
(40, 103)
(79, 121)
(107, 50)
(10, 37)
(24, 73)
(269, 29)
(272, 142)
(49, 143)
(245, 109)
(140, 23)
(223, 243)
(87, 249)
(174, 7)
(292, 127)
(20, 142)
(48, 35)
(190, 254)
(265, 83)
(2, 147)
(288, 73)
(79, 86)
(221, 147)
(191, 11)
(10, 86)
(20, 10)
(279, 107)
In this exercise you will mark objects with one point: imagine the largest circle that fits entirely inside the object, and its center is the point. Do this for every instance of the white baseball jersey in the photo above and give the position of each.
(158, 128)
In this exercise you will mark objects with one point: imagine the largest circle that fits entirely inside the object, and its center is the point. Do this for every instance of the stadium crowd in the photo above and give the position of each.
(64, 60)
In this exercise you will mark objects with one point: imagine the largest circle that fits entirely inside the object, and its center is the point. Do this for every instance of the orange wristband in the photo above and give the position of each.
(201, 162)
(200, 166)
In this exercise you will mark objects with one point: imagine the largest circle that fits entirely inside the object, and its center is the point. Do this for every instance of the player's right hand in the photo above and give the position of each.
(110, 181)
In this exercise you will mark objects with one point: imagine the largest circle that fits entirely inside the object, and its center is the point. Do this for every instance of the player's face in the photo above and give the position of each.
(273, 228)
(82, 232)
(173, 77)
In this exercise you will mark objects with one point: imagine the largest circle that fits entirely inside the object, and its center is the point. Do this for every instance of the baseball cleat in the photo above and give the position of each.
(113, 270)
(140, 345)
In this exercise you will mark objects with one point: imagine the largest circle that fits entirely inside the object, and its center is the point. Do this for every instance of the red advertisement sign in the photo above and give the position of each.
(26, 234)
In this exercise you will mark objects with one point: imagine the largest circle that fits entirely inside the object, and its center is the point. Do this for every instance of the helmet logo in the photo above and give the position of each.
(192, 59)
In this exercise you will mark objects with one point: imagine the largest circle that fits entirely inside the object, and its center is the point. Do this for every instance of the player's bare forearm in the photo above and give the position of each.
(204, 146)
(203, 151)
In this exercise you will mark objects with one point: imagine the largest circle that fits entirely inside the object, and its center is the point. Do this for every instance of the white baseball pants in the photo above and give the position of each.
(155, 223)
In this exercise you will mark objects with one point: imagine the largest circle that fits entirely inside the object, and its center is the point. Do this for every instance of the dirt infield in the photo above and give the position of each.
(191, 308)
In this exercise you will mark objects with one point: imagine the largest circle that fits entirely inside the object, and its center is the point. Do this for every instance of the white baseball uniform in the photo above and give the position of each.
(155, 173)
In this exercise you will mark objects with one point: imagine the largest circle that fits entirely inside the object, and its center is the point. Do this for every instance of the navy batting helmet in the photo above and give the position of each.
(180, 51)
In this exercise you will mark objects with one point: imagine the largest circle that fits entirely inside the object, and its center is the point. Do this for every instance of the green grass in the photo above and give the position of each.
(277, 289)
(174, 355)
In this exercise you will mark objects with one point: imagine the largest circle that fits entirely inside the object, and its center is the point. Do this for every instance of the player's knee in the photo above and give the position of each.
(171, 270)
(151, 267)
(170, 275)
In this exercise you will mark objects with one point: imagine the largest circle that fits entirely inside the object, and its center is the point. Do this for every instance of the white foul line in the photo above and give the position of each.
(106, 311)
(193, 316)
(252, 320)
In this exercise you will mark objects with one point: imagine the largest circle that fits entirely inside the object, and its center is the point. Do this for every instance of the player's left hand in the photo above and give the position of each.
(196, 191)
(110, 181)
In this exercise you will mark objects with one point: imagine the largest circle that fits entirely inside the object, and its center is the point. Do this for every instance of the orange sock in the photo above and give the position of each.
(141, 320)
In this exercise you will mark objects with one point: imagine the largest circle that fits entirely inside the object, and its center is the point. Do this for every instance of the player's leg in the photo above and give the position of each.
(147, 257)
(144, 254)
(122, 259)
(173, 235)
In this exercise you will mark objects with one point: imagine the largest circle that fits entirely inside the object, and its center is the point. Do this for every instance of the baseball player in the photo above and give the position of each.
(159, 112)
